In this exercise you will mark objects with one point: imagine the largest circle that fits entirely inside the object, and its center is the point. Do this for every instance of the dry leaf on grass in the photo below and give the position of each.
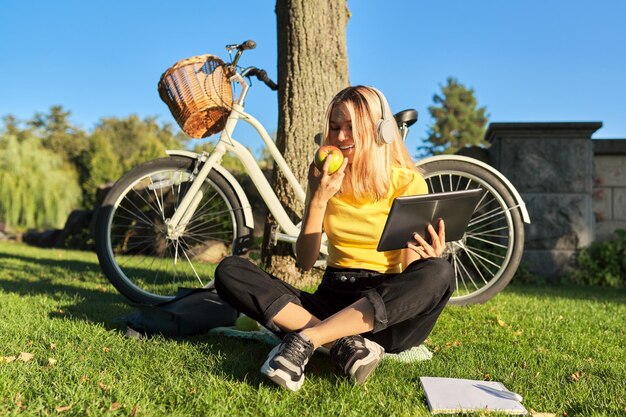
(102, 386)
(63, 408)
(135, 411)
(25, 357)
(576, 376)
(52, 361)
(451, 344)
(8, 359)
(534, 413)
(115, 406)
(502, 323)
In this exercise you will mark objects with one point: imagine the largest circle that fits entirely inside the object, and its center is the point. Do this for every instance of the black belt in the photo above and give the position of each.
(337, 277)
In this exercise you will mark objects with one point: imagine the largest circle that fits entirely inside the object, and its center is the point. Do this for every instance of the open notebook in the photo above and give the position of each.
(452, 395)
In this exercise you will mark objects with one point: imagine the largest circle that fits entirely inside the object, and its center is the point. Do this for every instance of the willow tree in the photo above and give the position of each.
(39, 188)
(312, 67)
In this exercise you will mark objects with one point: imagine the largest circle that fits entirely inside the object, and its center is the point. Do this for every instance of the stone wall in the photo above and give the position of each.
(551, 165)
(609, 186)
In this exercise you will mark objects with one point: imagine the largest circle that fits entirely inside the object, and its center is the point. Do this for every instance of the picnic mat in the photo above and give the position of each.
(415, 354)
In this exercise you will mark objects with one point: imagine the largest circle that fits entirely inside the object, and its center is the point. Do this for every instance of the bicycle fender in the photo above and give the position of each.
(240, 193)
(516, 195)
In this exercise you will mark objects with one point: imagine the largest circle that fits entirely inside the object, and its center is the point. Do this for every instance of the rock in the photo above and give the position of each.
(45, 239)
(211, 252)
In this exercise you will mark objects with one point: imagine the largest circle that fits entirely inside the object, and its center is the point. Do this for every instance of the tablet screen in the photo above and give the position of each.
(410, 214)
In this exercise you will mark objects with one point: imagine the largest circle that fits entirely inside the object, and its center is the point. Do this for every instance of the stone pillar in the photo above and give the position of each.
(609, 193)
(550, 164)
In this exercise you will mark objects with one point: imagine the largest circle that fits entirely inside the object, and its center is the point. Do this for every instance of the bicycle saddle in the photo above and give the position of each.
(408, 117)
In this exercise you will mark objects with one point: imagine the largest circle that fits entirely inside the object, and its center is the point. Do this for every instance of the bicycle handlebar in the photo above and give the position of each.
(261, 75)
(249, 44)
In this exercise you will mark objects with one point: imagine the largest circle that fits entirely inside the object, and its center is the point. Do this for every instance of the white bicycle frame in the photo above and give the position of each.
(176, 225)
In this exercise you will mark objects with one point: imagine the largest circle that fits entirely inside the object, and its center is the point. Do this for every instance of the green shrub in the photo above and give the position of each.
(524, 276)
(602, 263)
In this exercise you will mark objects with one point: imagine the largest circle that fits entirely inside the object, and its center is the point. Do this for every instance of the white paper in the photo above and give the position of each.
(452, 395)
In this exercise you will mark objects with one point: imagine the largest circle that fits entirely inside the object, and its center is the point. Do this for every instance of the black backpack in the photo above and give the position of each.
(191, 312)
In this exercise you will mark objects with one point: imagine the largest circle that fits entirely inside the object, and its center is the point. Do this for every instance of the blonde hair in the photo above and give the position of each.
(370, 172)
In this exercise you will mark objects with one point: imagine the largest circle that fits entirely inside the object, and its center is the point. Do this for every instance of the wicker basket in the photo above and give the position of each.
(199, 94)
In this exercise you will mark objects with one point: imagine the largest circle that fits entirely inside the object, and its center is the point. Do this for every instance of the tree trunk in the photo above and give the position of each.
(312, 68)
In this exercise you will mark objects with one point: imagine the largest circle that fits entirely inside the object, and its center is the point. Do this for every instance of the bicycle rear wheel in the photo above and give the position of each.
(488, 255)
(136, 253)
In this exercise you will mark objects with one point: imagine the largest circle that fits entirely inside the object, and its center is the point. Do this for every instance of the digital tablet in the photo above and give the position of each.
(410, 214)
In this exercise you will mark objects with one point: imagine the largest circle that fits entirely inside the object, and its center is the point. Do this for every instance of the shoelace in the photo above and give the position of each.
(294, 347)
(346, 350)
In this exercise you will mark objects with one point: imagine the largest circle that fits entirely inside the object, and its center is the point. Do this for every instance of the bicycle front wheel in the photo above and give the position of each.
(488, 255)
(140, 257)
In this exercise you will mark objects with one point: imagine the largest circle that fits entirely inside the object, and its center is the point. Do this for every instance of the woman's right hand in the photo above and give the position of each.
(324, 186)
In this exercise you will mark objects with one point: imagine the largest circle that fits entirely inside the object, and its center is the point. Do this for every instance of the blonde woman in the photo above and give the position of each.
(368, 301)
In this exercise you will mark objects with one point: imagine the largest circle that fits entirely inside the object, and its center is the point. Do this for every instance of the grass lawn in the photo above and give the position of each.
(562, 348)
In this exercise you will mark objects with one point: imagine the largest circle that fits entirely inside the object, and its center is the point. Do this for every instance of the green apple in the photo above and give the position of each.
(246, 324)
(332, 152)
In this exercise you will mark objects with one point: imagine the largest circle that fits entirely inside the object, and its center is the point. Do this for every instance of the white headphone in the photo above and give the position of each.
(385, 127)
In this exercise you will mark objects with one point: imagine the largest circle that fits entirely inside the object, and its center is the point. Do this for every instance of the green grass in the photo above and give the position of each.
(562, 348)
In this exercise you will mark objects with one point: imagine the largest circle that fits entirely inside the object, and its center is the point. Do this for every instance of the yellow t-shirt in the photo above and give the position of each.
(354, 228)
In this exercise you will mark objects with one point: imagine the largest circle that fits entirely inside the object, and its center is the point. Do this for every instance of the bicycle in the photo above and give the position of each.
(163, 220)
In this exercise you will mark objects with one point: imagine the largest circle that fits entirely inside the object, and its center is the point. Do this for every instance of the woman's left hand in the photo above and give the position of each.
(425, 250)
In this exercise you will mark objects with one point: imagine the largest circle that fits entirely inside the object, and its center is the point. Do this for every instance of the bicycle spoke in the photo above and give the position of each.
(138, 244)
(139, 212)
(481, 259)
(458, 183)
(469, 275)
(498, 245)
(200, 229)
(482, 203)
(131, 219)
(489, 232)
(441, 182)
(501, 212)
(456, 271)
(215, 215)
(194, 269)
(486, 252)
(156, 210)
(140, 240)
(159, 202)
(210, 200)
(478, 227)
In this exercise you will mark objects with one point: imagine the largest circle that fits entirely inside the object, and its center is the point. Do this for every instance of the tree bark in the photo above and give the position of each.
(312, 68)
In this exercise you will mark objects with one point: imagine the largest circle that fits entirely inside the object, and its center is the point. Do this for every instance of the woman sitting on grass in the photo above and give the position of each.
(368, 301)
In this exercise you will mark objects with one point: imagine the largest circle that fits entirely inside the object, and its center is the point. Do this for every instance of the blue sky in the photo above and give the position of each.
(528, 61)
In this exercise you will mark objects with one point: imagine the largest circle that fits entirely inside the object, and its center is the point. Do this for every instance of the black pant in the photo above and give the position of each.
(406, 305)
